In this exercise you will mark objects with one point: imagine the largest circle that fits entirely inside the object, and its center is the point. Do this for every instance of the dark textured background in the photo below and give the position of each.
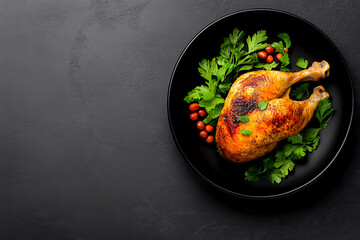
(85, 147)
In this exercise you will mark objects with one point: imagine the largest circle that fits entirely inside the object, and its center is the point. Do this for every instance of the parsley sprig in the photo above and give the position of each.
(256, 42)
(300, 91)
(220, 72)
(277, 165)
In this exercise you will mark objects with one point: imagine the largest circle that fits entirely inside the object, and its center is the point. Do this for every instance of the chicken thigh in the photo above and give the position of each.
(281, 119)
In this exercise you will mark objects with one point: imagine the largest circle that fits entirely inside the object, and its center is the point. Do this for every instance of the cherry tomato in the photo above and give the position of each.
(194, 107)
(276, 50)
(210, 139)
(262, 54)
(269, 59)
(278, 56)
(269, 49)
(200, 125)
(203, 134)
(202, 113)
(209, 128)
(286, 50)
(194, 116)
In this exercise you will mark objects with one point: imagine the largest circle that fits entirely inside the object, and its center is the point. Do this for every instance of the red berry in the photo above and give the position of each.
(269, 59)
(269, 49)
(194, 107)
(262, 54)
(210, 139)
(202, 113)
(194, 116)
(200, 125)
(203, 134)
(209, 128)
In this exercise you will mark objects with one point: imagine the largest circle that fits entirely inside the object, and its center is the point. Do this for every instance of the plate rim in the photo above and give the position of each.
(302, 186)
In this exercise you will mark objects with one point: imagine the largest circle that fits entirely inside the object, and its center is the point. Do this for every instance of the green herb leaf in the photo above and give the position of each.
(324, 112)
(268, 163)
(259, 65)
(225, 50)
(253, 174)
(205, 69)
(213, 114)
(275, 176)
(286, 38)
(245, 132)
(315, 142)
(245, 68)
(262, 105)
(199, 93)
(221, 73)
(211, 104)
(236, 36)
(284, 69)
(296, 139)
(279, 46)
(221, 61)
(297, 150)
(285, 60)
(244, 119)
(300, 91)
(285, 166)
(269, 66)
(310, 134)
(255, 42)
(302, 63)
(224, 87)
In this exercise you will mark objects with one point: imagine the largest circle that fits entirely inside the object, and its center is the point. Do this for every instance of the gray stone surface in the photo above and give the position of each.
(85, 147)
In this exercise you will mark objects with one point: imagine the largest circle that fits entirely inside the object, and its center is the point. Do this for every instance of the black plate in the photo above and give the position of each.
(307, 41)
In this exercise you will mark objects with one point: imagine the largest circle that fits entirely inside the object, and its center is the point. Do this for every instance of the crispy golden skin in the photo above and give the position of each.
(281, 119)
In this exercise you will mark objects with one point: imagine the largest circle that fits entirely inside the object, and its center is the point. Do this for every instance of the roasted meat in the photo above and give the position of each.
(282, 118)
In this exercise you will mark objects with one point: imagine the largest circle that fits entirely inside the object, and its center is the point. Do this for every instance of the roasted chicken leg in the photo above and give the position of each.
(281, 119)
